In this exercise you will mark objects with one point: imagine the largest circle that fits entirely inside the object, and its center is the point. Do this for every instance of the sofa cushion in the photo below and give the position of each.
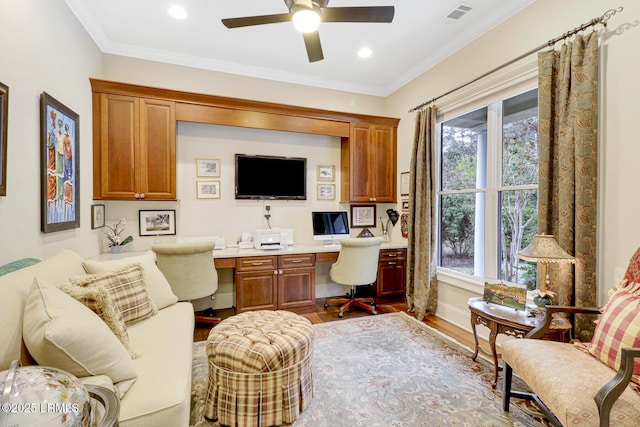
(567, 380)
(62, 333)
(127, 288)
(99, 301)
(161, 395)
(14, 288)
(159, 288)
(618, 328)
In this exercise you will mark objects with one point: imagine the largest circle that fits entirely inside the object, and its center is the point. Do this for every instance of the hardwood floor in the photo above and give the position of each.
(331, 314)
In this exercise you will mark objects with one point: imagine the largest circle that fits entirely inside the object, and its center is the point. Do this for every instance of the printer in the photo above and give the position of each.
(272, 238)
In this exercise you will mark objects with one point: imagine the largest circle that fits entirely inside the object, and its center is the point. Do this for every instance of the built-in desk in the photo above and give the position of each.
(285, 278)
(254, 279)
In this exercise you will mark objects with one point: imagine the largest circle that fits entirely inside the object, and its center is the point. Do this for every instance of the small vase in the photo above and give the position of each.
(117, 249)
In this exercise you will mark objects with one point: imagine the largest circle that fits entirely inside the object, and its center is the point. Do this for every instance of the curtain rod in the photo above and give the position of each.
(599, 20)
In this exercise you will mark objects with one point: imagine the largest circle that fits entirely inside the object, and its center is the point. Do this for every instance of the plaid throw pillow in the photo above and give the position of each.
(99, 301)
(618, 328)
(127, 289)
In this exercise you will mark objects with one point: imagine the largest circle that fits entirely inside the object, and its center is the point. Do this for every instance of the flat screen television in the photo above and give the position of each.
(330, 227)
(271, 177)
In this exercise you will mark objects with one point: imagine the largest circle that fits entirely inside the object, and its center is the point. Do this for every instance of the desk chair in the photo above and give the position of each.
(357, 265)
(190, 272)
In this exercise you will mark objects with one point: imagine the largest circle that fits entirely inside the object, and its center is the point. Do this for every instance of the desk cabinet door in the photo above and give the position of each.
(256, 291)
(391, 281)
(297, 288)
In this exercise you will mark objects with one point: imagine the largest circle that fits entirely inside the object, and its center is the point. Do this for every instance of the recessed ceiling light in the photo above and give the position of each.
(177, 12)
(364, 52)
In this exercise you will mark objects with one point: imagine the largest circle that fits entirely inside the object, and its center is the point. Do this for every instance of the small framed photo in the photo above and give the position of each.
(154, 223)
(363, 216)
(208, 189)
(208, 168)
(325, 173)
(97, 216)
(326, 191)
(404, 183)
(405, 205)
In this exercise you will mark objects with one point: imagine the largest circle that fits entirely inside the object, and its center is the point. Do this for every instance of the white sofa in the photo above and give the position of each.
(154, 388)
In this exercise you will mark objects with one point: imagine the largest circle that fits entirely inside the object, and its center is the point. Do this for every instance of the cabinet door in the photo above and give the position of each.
(297, 289)
(256, 290)
(391, 281)
(383, 165)
(116, 170)
(157, 163)
(361, 159)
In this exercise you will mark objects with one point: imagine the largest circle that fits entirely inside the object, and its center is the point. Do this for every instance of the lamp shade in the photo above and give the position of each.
(544, 249)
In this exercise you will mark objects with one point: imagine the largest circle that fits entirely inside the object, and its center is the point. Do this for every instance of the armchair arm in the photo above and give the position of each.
(548, 315)
(609, 393)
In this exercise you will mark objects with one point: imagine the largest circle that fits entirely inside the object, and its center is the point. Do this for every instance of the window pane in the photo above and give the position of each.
(464, 148)
(518, 225)
(520, 139)
(458, 233)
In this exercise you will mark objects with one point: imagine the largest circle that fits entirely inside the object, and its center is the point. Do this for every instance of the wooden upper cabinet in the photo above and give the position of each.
(368, 164)
(134, 148)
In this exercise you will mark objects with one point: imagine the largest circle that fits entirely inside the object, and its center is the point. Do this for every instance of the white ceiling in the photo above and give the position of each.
(419, 37)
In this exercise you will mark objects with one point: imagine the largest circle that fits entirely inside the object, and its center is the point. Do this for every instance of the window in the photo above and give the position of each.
(488, 189)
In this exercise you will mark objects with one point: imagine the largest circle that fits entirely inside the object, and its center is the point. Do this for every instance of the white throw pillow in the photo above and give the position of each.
(61, 332)
(159, 289)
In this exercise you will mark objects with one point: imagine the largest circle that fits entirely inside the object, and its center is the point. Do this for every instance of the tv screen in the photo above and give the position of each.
(271, 177)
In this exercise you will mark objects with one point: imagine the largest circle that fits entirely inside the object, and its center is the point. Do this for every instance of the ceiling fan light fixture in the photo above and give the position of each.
(306, 20)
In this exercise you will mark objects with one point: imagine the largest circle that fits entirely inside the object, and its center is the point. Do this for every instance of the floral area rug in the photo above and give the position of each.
(391, 370)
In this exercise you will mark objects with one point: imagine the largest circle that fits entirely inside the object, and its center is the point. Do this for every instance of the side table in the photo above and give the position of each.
(508, 321)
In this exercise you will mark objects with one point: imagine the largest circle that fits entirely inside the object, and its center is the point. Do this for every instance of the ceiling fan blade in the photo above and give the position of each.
(249, 21)
(314, 48)
(358, 14)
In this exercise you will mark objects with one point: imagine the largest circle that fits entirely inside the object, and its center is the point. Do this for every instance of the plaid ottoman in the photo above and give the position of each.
(260, 369)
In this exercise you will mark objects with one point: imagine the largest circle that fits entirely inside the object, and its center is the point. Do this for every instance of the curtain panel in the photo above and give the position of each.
(568, 177)
(421, 253)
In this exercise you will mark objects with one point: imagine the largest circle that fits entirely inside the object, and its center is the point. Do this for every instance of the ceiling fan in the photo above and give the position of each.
(306, 15)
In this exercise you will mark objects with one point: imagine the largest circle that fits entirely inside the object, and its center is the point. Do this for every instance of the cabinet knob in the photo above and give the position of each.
(392, 263)
(296, 261)
(142, 195)
(280, 272)
(257, 263)
(137, 195)
(372, 199)
(275, 272)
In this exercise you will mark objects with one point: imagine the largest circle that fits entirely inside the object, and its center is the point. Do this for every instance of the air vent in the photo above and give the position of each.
(458, 12)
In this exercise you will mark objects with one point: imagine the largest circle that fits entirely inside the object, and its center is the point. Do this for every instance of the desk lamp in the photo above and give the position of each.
(544, 249)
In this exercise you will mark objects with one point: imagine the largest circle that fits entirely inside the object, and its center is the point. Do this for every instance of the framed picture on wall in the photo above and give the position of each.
(97, 216)
(4, 112)
(363, 216)
(208, 168)
(208, 189)
(404, 183)
(154, 223)
(325, 173)
(59, 165)
(326, 191)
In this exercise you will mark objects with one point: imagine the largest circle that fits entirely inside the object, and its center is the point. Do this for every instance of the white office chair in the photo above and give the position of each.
(190, 272)
(357, 265)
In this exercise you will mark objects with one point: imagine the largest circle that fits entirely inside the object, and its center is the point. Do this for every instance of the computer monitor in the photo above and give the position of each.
(330, 227)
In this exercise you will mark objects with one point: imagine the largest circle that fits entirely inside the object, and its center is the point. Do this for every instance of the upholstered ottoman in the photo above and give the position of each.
(260, 369)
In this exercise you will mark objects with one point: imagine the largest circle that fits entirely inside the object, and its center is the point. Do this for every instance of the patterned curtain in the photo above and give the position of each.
(568, 146)
(422, 285)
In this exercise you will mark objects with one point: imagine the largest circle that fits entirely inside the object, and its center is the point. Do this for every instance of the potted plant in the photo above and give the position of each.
(116, 243)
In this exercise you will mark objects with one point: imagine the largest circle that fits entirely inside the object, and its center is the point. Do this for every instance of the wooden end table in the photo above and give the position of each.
(508, 321)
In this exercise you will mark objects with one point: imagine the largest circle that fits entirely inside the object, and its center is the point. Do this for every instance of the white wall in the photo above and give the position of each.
(618, 226)
(44, 49)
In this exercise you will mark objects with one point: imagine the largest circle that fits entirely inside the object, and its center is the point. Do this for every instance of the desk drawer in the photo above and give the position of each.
(297, 260)
(392, 255)
(256, 263)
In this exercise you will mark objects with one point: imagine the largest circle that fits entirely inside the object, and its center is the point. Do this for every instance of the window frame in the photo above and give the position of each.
(502, 85)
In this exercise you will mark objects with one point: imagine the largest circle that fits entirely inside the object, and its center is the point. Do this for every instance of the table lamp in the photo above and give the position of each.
(544, 249)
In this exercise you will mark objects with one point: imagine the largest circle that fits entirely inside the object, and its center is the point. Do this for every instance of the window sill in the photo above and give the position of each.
(460, 280)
